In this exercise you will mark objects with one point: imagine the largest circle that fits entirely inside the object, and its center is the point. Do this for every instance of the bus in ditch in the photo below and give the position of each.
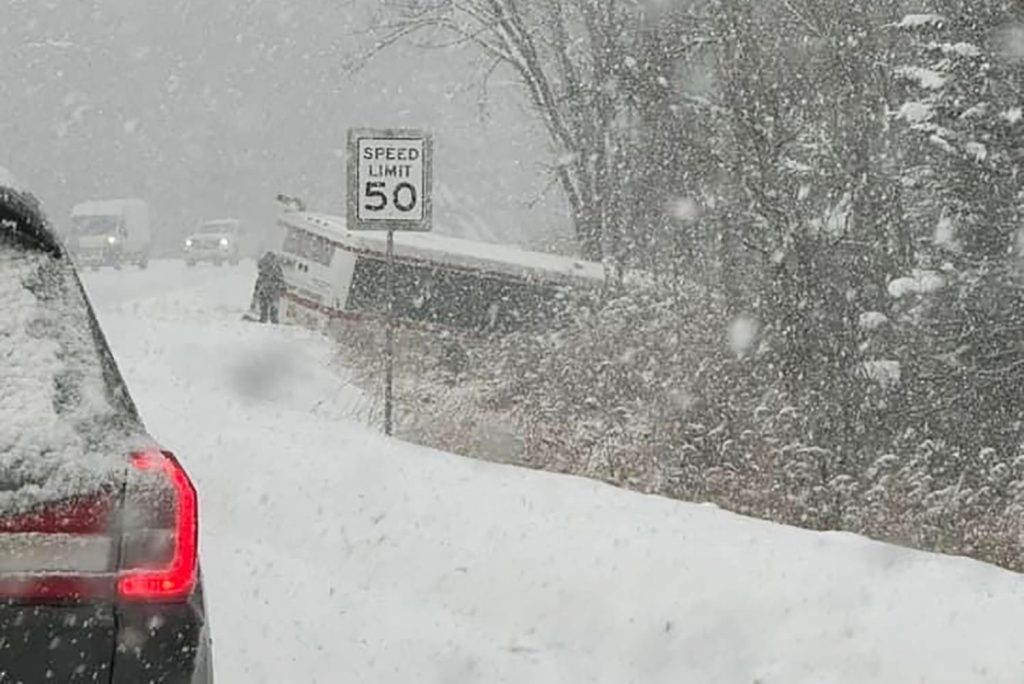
(440, 283)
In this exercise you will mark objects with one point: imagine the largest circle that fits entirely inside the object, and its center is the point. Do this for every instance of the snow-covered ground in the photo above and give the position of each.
(333, 555)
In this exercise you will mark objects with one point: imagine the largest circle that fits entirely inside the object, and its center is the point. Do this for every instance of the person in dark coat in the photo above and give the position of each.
(270, 287)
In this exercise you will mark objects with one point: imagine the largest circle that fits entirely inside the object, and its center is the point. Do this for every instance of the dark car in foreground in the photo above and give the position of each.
(99, 569)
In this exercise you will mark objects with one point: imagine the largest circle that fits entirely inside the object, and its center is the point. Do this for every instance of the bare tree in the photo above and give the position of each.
(590, 68)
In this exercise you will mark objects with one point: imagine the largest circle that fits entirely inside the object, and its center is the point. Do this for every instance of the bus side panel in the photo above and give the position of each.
(343, 266)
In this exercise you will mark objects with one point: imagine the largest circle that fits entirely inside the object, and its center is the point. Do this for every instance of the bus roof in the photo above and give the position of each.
(484, 256)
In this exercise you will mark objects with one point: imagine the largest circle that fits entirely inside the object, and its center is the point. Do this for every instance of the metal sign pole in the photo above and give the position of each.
(390, 180)
(389, 335)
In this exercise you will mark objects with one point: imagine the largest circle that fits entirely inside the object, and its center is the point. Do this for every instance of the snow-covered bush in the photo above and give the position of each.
(828, 333)
(649, 393)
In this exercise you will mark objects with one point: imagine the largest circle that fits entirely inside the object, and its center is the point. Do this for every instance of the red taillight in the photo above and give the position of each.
(141, 546)
(177, 578)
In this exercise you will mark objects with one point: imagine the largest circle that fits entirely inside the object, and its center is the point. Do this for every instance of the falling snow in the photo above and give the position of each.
(683, 258)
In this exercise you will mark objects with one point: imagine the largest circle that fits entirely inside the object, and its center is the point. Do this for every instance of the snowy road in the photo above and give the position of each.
(334, 555)
(108, 287)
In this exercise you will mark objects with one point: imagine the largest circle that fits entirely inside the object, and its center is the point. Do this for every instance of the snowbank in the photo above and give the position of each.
(920, 282)
(915, 112)
(926, 78)
(886, 373)
(334, 555)
(872, 320)
(919, 20)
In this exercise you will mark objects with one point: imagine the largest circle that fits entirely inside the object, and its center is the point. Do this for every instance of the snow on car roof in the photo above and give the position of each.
(435, 247)
(60, 433)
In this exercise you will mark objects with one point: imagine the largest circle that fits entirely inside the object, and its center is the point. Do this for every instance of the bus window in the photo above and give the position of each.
(306, 245)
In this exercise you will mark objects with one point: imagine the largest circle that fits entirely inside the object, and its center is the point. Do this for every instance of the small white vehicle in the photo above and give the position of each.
(110, 233)
(218, 242)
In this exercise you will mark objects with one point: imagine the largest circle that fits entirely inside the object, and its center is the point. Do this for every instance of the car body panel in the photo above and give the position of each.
(63, 534)
(60, 643)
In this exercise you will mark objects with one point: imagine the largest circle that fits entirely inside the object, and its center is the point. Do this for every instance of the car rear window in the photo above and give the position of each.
(63, 425)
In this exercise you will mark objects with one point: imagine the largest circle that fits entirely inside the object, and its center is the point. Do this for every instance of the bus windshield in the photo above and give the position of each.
(306, 245)
(96, 225)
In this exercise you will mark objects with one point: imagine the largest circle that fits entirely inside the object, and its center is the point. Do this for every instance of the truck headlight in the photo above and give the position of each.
(223, 242)
(188, 242)
(111, 240)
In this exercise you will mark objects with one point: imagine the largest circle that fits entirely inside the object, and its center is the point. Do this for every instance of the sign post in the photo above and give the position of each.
(390, 172)
(389, 335)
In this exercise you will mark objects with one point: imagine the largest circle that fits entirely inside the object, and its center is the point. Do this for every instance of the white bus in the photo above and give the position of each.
(439, 282)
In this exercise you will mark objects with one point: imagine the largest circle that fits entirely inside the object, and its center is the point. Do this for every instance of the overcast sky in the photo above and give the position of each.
(209, 109)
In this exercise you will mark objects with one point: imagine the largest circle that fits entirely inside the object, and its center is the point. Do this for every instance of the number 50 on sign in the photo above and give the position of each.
(389, 179)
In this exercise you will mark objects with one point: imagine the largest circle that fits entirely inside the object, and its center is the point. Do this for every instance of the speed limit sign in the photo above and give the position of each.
(389, 177)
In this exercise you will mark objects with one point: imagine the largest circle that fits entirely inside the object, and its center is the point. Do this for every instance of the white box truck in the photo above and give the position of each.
(111, 233)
